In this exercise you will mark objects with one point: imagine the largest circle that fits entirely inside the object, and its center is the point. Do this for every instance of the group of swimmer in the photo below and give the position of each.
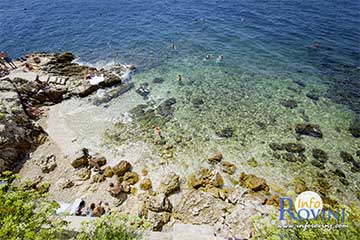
(208, 57)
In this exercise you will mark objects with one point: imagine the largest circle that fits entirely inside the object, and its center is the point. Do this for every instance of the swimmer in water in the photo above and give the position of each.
(179, 77)
(173, 46)
(208, 57)
(157, 131)
(220, 58)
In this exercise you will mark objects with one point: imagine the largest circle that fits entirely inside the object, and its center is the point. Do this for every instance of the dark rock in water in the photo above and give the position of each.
(300, 83)
(197, 102)
(346, 157)
(354, 127)
(318, 164)
(158, 80)
(344, 181)
(289, 103)
(309, 129)
(358, 153)
(65, 57)
(225, 132)
(339, 173)
(139, 110)
(261, 125)
(143, 90)
(293, 157)
(276, 146)
(313, 96)
(355, 166)
(320, 155)
(294, 147)
(166, 109)
(295, 90)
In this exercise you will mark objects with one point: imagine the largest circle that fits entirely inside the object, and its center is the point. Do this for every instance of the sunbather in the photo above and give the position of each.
(114, 189)
(97, 209)
(7, 59)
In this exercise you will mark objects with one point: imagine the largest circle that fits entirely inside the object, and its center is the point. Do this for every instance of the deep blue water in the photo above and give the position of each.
(275, 37)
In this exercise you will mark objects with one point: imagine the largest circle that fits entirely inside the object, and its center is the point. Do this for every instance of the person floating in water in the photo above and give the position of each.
(220, 58)
(208, 57)
(179, 77)
(173, 46)
(7, 59)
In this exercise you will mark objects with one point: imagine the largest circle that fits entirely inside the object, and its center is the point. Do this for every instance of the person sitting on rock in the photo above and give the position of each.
(90, 73)
(97, 209)
(7, 59)
(115, 189)
(2, 64)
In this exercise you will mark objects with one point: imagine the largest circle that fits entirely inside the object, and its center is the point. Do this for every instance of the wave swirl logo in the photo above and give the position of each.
(308, 204)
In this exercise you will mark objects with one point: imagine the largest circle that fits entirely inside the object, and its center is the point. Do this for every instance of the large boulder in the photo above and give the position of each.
(121, 168)
(169, 184)
(253, 182)
(199, 207)
(206, 179)
(80, 158)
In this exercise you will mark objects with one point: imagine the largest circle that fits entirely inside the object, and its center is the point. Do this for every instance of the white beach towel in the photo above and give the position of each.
(96, 80)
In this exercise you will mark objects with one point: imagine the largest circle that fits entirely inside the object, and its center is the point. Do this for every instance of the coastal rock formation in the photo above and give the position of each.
(199, 207)
(253, 182)
(81, 158)
(205, 179)
(19, 135)
(309, 129)
(228, 167)
(169, 184)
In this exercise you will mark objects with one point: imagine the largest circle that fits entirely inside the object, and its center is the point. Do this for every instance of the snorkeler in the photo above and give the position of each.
(179, 77)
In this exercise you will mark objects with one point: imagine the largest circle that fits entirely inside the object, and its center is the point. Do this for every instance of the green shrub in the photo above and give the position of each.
(113, 226)
(25, 214)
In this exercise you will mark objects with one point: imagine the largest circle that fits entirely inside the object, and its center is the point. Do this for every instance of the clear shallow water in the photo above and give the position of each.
(266, 45)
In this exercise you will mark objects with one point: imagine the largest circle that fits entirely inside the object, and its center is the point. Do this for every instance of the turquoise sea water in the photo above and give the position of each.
(273, 51)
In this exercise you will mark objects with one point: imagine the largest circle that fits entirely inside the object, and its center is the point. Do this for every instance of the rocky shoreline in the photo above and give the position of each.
(201, 201)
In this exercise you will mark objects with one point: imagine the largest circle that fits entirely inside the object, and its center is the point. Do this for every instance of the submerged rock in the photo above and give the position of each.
(289, 103)
(169, 184)
(294, 147)
(346, 157)
(300, 186)
(320, 155)
(354, 127)
(158, 80)
(318, 164)
(216, 158)
(313, 96)
(253, 182)
(339, 173)
(300, 83)
(225, 132)
(166, 109)
(309, 129)
(143, 90)
(197, 102)
(121, 168)
(276, 146)
(228, 167)
(294, 157)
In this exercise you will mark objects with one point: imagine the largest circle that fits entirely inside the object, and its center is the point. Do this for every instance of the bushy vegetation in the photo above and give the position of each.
(266, 230)
(114, 226)
(26, 214)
